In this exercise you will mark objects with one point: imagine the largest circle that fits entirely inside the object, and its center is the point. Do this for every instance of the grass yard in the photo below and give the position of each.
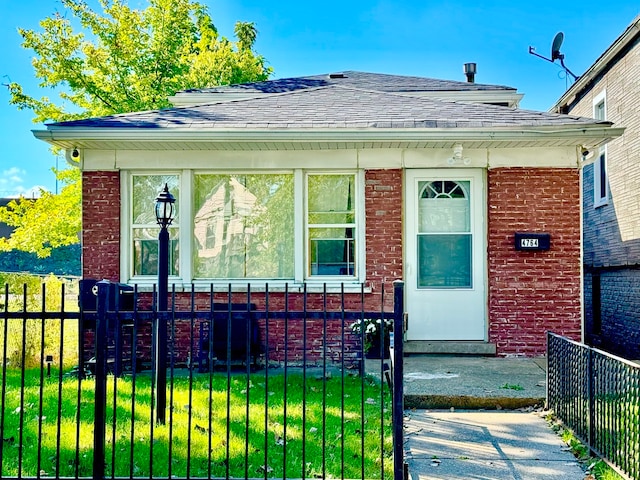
(330, 429)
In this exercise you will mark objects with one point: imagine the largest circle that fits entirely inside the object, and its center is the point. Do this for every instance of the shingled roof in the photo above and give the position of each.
(371, 81)
(332, 107)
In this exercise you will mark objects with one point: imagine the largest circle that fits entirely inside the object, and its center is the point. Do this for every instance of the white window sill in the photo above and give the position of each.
(147, 285)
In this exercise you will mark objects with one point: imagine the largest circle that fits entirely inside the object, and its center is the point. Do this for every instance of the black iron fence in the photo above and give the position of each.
(597, 395)
(269, 384)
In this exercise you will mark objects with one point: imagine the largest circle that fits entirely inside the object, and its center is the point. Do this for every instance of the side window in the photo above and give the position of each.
(600, 177)
(286, 226)
(331, 225)
(144, 228)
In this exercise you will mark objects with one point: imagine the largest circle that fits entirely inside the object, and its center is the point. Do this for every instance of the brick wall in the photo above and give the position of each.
(532, 292)
(101, 225)
(383, 212)
(619, 331)
(383, 208)
(612, 232)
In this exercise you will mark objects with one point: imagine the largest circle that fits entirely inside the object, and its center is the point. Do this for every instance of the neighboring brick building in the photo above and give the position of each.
(352, 179)
(610, 89)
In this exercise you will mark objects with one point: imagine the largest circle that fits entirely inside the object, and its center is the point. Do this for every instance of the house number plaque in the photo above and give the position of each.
(532, 241)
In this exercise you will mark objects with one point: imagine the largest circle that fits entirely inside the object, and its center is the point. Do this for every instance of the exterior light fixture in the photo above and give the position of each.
(164, 215)
(48, 360)
(165, 207)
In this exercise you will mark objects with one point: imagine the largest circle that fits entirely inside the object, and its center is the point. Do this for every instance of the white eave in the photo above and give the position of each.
(589, 135)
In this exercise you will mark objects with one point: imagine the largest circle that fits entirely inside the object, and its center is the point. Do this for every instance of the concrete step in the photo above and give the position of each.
(449, 347)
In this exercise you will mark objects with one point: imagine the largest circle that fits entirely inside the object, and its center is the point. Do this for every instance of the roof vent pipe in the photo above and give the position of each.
(470, 72)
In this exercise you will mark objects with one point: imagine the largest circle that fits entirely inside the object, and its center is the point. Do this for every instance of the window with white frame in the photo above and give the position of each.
(144, 227)
(242, 226)
(288, 226)
(600, 178)
(331, 225)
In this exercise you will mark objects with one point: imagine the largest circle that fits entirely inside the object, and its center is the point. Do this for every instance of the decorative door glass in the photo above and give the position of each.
(444, 234)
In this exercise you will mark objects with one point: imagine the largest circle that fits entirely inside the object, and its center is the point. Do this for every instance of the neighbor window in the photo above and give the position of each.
(600, 177)
(287, 226)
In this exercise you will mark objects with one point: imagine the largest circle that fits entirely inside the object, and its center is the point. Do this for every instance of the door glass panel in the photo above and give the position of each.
(444, 261)
(444, 234)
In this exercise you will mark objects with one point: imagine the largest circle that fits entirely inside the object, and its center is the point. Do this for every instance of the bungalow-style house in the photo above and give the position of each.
(353, 179)
(610, 90)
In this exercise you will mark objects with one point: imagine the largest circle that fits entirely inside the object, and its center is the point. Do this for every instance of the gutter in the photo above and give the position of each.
(60, 134)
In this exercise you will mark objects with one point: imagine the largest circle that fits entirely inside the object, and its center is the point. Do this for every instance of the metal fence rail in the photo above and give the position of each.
(79, 395)
(597, 395)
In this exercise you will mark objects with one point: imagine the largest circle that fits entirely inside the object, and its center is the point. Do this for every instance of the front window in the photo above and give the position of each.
(331, 224)
(242, 226)
(444, 234)
(287, 226)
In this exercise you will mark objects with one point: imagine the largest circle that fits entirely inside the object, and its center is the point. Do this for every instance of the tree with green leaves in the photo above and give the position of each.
(117, 61)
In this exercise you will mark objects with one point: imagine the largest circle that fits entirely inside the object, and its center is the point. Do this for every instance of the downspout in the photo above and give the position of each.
(580, 154)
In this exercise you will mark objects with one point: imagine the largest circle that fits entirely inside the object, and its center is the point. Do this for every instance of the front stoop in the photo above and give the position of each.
(473, 382)
(449, 347)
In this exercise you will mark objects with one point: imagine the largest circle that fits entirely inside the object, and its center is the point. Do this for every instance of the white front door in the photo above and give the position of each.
(445, 254)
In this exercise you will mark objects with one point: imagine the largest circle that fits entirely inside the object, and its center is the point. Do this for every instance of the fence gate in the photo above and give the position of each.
(268, 384)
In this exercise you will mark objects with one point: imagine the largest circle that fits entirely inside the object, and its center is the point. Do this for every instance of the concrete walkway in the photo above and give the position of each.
(493, 441)
(441, 381)
(486, 445)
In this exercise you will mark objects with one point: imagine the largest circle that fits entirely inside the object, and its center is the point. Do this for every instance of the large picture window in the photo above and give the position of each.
(242, 226)
(287, 226)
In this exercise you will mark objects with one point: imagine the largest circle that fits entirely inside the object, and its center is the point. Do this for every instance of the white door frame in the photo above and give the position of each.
(447, 313)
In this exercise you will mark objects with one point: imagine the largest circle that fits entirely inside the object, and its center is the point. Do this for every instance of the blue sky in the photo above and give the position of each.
(431, 39)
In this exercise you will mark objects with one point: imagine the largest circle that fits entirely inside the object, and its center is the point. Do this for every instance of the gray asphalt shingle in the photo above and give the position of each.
(333, 107)
(372, 81)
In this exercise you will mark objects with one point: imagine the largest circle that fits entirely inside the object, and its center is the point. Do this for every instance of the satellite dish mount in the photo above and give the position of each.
(555, 53)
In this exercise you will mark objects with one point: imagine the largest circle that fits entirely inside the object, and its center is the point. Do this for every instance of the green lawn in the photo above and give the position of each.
(193, 440)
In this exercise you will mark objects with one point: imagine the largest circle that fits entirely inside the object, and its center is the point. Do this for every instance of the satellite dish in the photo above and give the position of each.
(555, 53)
(555, 46)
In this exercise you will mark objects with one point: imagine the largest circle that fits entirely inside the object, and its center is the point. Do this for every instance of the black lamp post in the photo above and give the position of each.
(164, 216)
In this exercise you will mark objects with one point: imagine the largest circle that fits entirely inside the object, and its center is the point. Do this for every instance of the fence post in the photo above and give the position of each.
(549, 363)
(590, 400)
(399, 471)
(100, 405)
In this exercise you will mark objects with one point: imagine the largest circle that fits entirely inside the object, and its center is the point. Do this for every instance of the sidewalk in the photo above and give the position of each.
(488, 440)
(485, 445)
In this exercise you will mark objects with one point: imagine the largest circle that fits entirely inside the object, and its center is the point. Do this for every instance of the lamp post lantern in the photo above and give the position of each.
(164, 215)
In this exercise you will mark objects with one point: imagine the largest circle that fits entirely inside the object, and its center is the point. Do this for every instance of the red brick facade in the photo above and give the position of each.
(101, 225)
(529, 292)
(532, 292)
(383, 209)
